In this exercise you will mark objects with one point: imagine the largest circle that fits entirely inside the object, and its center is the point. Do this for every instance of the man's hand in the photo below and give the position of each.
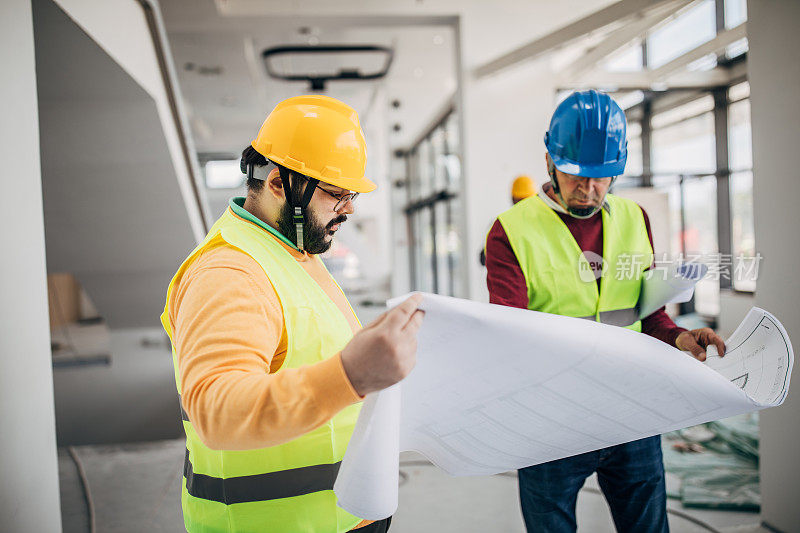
(385, 351)
(697, 340)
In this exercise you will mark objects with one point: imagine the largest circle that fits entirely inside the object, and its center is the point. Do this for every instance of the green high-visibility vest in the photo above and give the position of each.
(559, 277)
(288, 487)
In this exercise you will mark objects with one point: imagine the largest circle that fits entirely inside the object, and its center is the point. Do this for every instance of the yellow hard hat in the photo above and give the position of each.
(317, 136)
(523, 187)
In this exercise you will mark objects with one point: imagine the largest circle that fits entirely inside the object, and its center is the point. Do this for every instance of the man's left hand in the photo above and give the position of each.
(697, 340)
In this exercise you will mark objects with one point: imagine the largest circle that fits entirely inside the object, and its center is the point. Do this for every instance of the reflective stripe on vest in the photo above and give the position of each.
(287, 487)
(554, 266)
(618, 317)
(260, 487)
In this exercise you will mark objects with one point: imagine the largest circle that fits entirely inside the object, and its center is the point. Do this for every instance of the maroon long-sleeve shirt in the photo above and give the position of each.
(507, 284)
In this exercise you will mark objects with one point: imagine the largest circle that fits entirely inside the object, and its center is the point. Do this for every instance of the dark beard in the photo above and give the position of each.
(314, 232)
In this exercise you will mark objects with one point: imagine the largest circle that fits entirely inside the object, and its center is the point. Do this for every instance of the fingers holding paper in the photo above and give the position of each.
(697, 340)
(385, 351)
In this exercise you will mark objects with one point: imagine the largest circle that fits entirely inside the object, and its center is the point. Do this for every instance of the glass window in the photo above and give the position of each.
(438, 152)
(737, 48)
(434, 168)
(687, 146)
(742, 232)
(739, 91)
(633, 167)
(628, 59)
(735, 12)
(454, 244)
(423, 250)
(700, 237)
(629, 99)
(685, 32)
(452, 165)
(223, 174)
(412, 161)
(707, 62)
(740, 145)
(693, 230)
(740, 153)
(671, 185)
(688, 110)
(425, 169)
(442, 255)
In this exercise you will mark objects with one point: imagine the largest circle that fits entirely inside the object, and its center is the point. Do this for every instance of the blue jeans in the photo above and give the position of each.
(631, 476)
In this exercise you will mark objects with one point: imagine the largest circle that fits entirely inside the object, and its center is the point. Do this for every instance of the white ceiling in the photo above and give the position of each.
(228, 92)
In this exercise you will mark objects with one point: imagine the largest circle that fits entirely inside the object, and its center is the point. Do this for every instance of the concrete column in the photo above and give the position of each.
(29, 497)
(774, 73)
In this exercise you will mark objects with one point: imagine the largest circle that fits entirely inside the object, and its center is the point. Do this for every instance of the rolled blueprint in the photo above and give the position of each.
(373, 479)
(669, 284)
(497, 388)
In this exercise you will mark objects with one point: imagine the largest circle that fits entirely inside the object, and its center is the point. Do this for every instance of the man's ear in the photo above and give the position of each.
(551, 168)
(275, 184)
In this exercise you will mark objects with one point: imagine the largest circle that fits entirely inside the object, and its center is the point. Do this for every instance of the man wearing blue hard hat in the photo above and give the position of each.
(538, 254)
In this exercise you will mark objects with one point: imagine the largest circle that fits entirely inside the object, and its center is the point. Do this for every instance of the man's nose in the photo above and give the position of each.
(347, 208)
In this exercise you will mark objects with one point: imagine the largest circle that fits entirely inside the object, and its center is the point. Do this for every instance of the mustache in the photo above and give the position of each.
(583, 198)
(337, 220)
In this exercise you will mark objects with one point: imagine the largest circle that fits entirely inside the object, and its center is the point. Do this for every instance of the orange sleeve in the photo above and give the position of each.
(227, 328)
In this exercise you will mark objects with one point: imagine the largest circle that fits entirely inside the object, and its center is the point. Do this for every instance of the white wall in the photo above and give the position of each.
(774, 74)
(120, 28)
(111, 198)
(29, 498)
(506, 117)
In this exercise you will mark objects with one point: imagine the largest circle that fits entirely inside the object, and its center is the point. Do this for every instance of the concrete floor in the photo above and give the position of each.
(136, 487)
(131, 399)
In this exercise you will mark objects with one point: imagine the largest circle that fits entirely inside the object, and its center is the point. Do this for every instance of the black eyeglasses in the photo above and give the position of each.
(342, 198)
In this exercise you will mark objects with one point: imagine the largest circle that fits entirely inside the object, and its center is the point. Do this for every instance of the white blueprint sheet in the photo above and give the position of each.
(497, 388)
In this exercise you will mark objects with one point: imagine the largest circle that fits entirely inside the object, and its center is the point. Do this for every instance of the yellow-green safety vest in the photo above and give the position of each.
(560, 279)
(288, 487)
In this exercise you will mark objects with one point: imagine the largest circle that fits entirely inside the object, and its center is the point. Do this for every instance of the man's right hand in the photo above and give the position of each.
(385, 351)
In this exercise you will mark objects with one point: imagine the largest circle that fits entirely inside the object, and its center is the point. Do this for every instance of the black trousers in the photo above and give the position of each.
(381, 526)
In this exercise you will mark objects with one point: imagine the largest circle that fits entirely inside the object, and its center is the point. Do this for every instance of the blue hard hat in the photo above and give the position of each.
(587, 136)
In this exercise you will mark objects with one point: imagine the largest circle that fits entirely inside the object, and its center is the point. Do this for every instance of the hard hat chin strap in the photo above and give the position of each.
(297, 205)
(580, 214)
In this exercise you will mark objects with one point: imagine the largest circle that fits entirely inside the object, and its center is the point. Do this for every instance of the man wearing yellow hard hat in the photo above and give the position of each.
(271, 362)
(522, 187)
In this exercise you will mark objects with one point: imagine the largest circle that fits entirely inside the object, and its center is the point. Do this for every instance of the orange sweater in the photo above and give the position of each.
(230, 338)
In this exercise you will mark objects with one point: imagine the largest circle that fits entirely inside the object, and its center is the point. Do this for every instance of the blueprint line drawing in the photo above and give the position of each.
(497, 388)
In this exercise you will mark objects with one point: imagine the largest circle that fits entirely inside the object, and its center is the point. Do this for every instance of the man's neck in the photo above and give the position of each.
(550, 193)
(252, 206)
(548, 190)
